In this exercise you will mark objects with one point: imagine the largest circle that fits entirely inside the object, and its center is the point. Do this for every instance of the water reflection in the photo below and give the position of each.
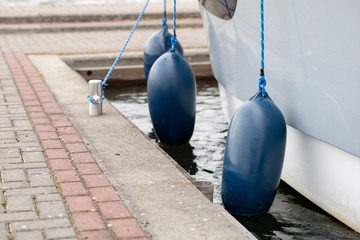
(264, 226)
(184, 156)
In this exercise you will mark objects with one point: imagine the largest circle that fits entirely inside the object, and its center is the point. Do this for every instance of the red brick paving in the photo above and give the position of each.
(48, 135)
(66, 130)
(103, 194)
(98, 212)
(126, 228)
(40, 120)
(114, 210)
(88, 221)
(96, 235)
(72, 189)
(60, 164)
(67, 175)
(85, 157)
(76, 147)
(43, 128)
(55, 153)
(33, 109)
(71, 138)
(48, 144)
(88, 168)
(98, 180)
(80, 204)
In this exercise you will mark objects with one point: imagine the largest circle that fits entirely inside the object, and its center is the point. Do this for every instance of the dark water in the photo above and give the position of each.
(291, 216)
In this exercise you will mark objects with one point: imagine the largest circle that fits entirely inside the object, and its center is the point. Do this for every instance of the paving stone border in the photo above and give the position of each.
(92, 203)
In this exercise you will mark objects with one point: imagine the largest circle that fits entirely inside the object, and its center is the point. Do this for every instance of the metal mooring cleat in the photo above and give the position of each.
(95, 97)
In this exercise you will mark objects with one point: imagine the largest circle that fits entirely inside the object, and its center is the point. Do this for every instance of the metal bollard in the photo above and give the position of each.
(95, 94)
(206, 187)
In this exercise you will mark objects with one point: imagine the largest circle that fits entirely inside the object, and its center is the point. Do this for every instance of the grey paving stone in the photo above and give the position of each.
(7, 80)
(36, 171)
(22, 123)
(32, 144)
(40, 224)
(10, 160)
(27, 136)
(14, 110)
(18, 216)
(9, 145)
(5, 121)
(20, 203)
(3, 231)
(48, 197)
(18, 129)
(31, 191)
(7, 142)
(11, 88)
(23, 166)
(15, 175)
(60, 233)
(33, 157)
(13, 99)
(41, 180)
(4, 109)
(35, 235)
(7, 135)
(9, 152)
(14, 185)
(9, 104)
(54, 209)
(19, 116)
(31, 149)
(5, 125)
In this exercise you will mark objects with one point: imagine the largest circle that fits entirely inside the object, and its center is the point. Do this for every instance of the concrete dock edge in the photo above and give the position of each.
(160, 197)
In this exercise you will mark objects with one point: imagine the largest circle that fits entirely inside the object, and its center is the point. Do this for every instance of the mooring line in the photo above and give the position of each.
(119, 55)
(262, 81)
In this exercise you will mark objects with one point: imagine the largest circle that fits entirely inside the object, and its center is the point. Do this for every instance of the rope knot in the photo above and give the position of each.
(173, 44)
(164, 24)
(262, 84)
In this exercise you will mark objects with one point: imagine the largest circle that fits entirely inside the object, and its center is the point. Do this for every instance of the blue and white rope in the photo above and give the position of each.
(262, 81)
(126, 43)
(173, 39)
(164, 24)
(119, 55)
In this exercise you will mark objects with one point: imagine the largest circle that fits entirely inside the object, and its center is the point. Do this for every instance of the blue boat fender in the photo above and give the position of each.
(254, 156)
(157, 45)
(171, 93)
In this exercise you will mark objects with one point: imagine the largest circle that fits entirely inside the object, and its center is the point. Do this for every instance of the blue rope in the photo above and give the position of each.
(229, 9)
(164, 24)
(126, 43)
(226, 5)
(173, 39)
(121, 52)
(90, 100)
(262, 81)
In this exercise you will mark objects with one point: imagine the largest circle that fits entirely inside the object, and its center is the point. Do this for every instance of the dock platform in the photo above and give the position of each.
(68, 175)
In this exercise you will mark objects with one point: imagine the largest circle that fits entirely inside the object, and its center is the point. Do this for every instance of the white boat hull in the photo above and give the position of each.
(311, 53)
